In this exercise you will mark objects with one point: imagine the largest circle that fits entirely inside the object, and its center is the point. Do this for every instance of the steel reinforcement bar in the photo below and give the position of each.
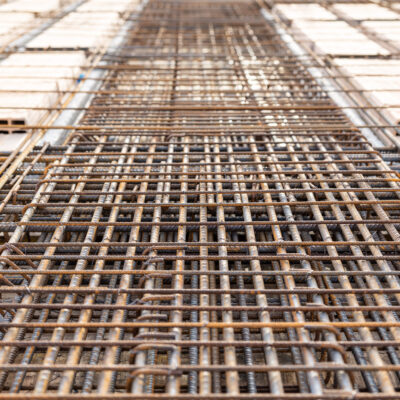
(226, 234)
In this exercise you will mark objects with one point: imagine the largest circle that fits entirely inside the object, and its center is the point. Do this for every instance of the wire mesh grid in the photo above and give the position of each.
(220, 230)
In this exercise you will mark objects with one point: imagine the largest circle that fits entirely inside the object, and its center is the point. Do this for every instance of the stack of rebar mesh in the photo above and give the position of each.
(213, 227)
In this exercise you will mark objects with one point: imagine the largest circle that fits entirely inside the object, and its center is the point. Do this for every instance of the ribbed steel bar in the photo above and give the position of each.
(212, 227)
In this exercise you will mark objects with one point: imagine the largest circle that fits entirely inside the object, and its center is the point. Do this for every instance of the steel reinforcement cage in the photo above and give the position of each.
(213, 227)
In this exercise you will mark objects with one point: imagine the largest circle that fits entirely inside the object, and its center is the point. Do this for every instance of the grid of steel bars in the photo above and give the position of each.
(225, 232)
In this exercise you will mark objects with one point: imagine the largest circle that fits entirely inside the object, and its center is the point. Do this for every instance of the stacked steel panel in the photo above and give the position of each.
(214, 227)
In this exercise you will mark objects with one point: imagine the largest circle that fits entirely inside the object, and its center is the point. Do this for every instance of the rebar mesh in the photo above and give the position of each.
(216, 228)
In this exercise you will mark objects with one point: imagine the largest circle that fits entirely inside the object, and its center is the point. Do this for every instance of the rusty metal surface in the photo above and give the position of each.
(213, 227)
